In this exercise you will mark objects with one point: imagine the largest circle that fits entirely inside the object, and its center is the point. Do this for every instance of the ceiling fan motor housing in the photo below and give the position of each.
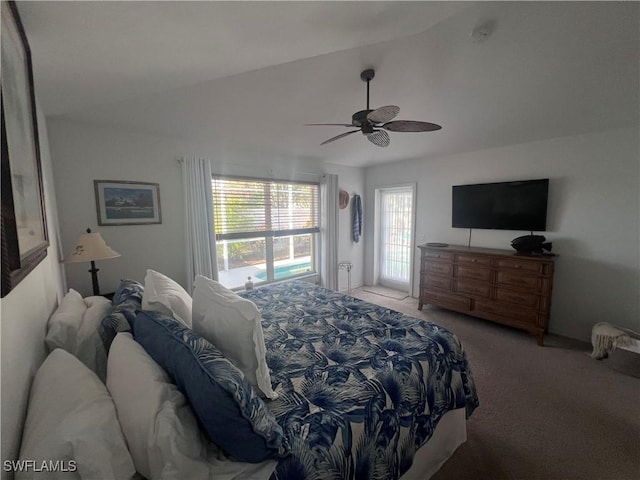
(367, 75)
(359, 119)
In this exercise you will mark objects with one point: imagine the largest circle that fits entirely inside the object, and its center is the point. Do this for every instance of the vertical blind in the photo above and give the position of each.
(250, 208)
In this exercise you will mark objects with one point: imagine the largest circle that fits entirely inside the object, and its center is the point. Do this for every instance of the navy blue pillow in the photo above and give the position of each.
(126, 301)
(229, 410)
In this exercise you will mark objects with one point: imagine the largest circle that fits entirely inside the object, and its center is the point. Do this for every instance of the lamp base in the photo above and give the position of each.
(94, 278)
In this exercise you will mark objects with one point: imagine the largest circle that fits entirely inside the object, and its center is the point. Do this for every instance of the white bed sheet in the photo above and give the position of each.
(221, 468)
(450, 433)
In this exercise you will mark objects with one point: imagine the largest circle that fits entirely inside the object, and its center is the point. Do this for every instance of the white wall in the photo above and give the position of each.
(593, 218)
(352, 181)
(82, 153)
(24, 314)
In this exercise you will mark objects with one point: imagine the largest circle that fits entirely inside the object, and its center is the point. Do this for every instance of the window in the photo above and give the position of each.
(265, 229)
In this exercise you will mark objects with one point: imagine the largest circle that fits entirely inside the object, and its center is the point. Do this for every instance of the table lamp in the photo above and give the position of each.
(89, 248)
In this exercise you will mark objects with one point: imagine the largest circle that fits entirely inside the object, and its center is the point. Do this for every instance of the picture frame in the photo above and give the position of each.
(122, 202)
(24, 230)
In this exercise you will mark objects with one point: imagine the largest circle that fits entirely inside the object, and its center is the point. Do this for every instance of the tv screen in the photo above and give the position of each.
(519, 205)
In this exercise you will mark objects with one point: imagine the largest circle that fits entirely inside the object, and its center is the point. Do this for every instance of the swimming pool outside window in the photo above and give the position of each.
(266, 229)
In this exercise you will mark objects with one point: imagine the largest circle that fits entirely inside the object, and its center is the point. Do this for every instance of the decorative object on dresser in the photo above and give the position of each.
(121, 202)
(89, 248)
(499, 285)
(532, 244)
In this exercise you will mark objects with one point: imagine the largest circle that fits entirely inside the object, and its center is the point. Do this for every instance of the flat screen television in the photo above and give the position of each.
(518, 205)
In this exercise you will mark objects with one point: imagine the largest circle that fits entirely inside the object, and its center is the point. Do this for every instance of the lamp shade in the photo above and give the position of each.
(89, 247)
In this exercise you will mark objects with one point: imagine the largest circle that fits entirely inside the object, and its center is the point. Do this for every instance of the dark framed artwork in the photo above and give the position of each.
(120, 202)
(24, 231)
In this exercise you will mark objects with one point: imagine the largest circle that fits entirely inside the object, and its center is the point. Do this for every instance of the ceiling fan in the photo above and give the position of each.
(373, 123)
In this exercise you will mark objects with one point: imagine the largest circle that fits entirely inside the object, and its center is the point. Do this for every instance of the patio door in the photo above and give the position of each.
(395, 236)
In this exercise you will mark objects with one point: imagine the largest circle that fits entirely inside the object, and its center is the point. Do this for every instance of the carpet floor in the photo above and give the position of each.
(546, 413)
(386, 292)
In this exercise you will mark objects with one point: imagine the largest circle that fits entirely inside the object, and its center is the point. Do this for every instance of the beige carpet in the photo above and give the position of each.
(546, 413)
(386, 292)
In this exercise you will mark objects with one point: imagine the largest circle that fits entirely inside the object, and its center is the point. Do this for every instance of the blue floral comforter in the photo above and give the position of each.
(361, 387)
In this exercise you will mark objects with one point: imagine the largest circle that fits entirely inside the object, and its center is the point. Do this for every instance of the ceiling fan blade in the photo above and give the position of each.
(329, 124)
(410, 126)
(338, 137)
(379, 138)
(383, 114)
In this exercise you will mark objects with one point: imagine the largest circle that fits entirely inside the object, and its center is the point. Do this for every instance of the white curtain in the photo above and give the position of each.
(329, 232)
(199, 226)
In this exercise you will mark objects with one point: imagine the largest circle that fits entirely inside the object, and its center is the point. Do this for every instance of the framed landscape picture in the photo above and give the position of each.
(127, 203)
(24, 231)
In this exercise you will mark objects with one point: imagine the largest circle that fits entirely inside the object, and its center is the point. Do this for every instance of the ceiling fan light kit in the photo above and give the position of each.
(373, 123)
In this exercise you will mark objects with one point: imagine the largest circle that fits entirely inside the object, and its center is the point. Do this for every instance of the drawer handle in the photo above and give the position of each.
(518, 266)
(474, 260)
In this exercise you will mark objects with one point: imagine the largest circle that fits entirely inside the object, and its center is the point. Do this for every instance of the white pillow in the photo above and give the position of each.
(71, 416)
(74, 328)
(162, 294)
(161, 430)
(234, 325)
(90, 348)
(65, 323)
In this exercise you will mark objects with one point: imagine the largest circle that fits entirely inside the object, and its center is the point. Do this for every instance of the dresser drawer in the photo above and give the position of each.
(518, 264)
(530, 283)
(434, 281)
(522, 315)
(438, 268)
(518, 298)
(448, 300)
(444, 256)
(473, 259)
(472, 272)
(472, 288)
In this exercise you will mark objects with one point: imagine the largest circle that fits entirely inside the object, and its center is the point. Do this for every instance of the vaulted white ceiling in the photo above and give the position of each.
(253, 73)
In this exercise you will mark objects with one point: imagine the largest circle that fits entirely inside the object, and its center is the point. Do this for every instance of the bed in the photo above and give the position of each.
(361, 387)
(353, 390)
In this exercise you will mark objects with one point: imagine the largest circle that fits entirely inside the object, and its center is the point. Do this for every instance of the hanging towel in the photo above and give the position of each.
(356, 205)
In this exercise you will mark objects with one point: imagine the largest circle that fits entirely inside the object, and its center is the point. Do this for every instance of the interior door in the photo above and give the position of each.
(395, 237)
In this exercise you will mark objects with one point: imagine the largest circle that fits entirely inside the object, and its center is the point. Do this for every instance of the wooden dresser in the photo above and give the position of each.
(500, 285)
